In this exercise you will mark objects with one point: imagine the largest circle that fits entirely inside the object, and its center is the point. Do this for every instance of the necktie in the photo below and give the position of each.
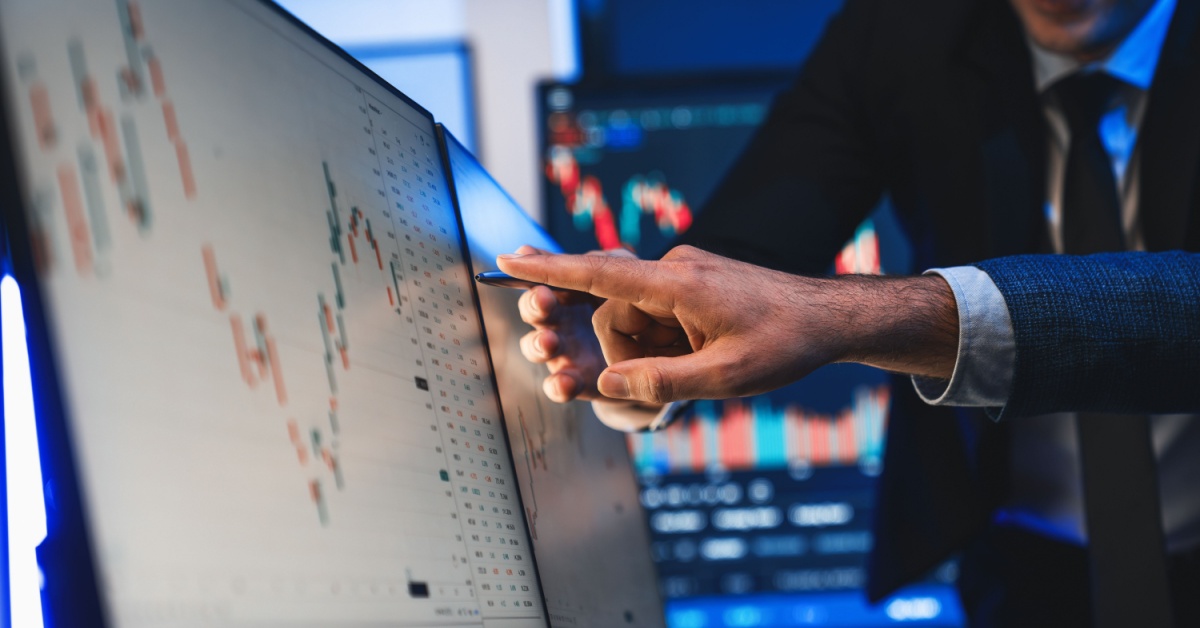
(1120, 482)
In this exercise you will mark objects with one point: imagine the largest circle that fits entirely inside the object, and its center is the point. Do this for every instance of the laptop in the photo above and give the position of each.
(265, 396)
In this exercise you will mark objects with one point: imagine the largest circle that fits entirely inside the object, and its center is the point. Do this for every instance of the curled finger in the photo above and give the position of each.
(617, 325)
(540, 345)
(538, 306)
(566, 385)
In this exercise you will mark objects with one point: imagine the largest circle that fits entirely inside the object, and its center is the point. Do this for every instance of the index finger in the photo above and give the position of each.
(609, 277)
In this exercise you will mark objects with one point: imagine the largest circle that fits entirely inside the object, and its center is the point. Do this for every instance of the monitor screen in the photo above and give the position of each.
(629, 165)
(759, 508)
(254, 296)
(580, 494)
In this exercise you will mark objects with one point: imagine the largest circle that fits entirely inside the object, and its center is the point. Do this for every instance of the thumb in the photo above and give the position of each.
(660, 380)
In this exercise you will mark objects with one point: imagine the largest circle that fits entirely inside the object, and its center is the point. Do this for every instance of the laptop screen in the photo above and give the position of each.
(255, 299)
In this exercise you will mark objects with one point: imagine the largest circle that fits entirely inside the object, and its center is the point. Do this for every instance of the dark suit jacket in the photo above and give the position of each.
(1115, 332)
(933, 103)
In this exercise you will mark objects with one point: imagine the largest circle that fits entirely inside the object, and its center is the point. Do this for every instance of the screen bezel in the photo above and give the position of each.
(444, 138)
(72, 585)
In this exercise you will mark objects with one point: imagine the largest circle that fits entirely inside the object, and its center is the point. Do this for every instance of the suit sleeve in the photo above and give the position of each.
(810, 174)
(1115, 332)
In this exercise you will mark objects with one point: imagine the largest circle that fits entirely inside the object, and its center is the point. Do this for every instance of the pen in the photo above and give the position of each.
(505, 280)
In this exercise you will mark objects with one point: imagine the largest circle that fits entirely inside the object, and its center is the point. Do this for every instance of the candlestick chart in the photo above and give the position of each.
(263, 323)
(112, 148)
(630, 169)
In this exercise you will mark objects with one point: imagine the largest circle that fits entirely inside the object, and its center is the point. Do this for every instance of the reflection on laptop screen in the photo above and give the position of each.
(270, 362)
(576, 479)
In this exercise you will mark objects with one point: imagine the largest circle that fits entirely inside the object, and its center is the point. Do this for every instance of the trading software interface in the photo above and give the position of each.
(272, 365)
(759, 508)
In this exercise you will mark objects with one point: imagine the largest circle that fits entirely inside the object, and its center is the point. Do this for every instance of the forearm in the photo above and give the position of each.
(903, 324)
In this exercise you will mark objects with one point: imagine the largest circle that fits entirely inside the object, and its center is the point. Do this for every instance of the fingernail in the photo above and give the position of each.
(613, 385)
(539, 343)
(509, 255)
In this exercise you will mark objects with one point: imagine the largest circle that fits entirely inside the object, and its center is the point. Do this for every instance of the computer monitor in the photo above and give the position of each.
(575, 473)
(628, 164)
(263, 393)
(760, 507)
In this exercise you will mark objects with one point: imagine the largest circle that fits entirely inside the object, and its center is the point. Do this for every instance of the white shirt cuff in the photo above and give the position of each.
(983, 370)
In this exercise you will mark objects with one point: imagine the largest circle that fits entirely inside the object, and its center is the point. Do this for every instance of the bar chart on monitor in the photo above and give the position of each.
(254, 245)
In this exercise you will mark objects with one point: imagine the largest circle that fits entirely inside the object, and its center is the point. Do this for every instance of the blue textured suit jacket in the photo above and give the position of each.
(1113, 332)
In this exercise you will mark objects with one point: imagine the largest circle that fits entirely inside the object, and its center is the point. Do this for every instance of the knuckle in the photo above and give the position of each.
(603, 315)
(658, 386)
(683, 251)
(731, 369)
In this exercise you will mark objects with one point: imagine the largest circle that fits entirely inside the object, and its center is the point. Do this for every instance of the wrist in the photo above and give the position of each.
(903, 324)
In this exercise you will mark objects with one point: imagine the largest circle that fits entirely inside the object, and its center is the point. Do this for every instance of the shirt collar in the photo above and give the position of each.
(1134, 61)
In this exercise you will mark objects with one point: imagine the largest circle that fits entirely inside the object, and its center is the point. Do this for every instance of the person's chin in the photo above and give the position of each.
(1071, 38)
(1066, 10)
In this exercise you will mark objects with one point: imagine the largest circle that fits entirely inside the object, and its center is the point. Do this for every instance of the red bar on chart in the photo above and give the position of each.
(185, 169)
(257, 357)
(156, 76)
(136, 27)
(170, 120)
(214, 281)
(391, 297)
(81, 241)
(818, 440)
(698, 438)
(91, 98)
(735, 438)
(847, 443)
(43, 120)
(239, 346)
(112, 147)
(353, 249)
(294, 436)
(276, 371)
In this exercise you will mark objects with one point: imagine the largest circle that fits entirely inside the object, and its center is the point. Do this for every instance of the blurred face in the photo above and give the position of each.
(1084, 29)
